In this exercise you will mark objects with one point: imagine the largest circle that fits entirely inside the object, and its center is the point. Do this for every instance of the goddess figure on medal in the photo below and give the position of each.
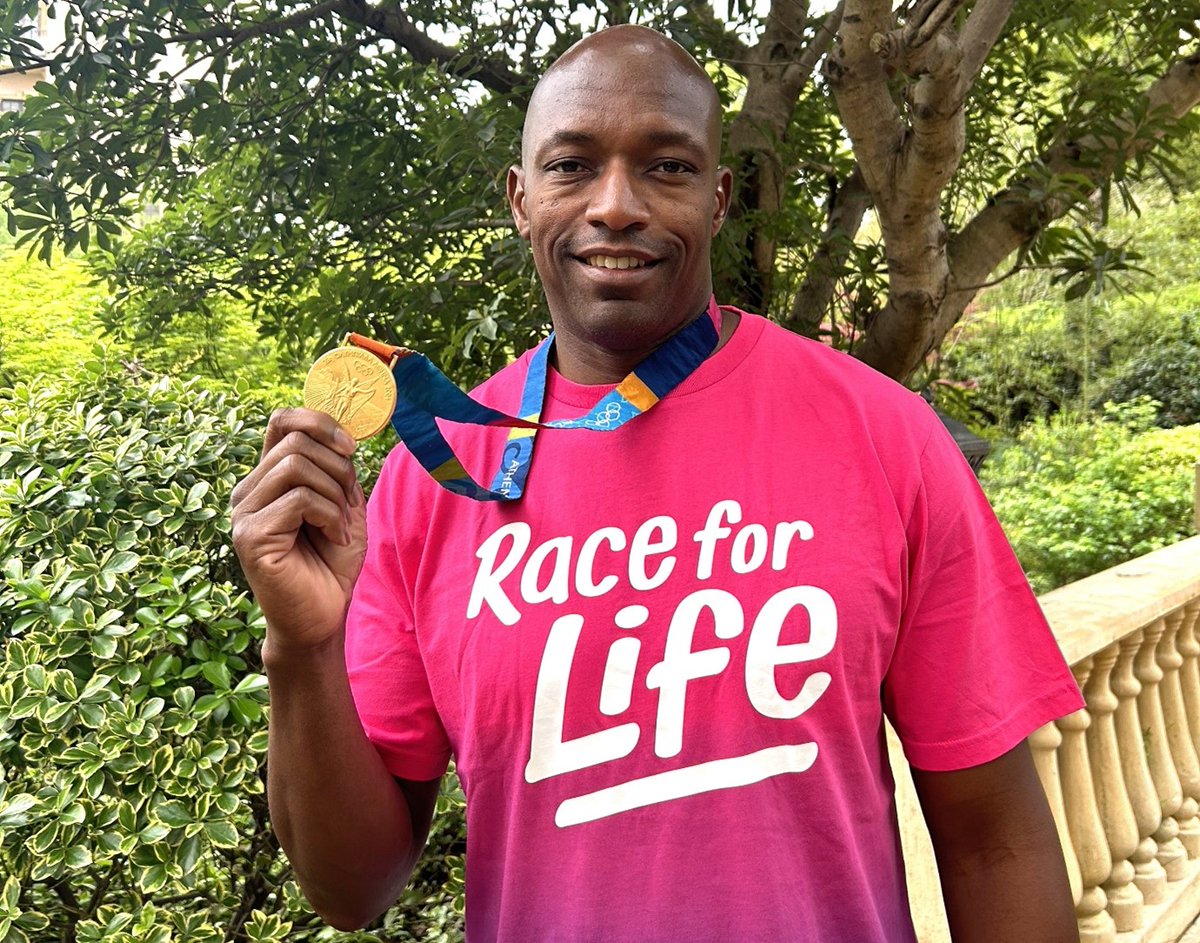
(345, 397)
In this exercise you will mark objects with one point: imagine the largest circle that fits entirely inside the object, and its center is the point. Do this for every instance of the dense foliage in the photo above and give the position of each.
(132, 706)
(1042, 358)
(1023, 352)
(340, 164)
(1168, 373)
(1076, 497)
(53, 314)
(47, 324)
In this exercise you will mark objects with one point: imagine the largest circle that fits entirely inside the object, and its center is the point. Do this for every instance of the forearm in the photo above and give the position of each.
(340, 815)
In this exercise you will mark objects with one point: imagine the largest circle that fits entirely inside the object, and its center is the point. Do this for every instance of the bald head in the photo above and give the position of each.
(636, 51)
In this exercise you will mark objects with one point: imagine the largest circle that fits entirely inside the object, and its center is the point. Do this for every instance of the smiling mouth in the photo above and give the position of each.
(614, 262)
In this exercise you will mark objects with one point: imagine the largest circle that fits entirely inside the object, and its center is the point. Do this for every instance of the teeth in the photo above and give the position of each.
(609, 261)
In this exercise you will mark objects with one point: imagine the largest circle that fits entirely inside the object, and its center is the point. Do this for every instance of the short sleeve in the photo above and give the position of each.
(976, 668)
(386, 671)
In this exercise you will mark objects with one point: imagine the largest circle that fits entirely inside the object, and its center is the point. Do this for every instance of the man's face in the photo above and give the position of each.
(620, 196)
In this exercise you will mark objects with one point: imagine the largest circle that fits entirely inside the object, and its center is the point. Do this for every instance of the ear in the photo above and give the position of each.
(724, 195)
(516, 200)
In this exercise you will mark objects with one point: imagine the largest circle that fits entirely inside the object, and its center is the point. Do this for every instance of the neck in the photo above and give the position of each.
(591, 365)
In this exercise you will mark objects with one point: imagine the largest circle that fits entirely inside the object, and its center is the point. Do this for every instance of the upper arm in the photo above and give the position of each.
(975, 667)
(989, 807)
(999, 859)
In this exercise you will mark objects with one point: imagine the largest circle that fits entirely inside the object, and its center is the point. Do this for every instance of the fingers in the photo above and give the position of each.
(297, 506)
(327, 475)
(315, 425)
(305, 477)
(299, 522)
(305, 444)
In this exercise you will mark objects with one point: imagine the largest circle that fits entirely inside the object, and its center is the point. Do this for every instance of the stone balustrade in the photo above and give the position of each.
(1123, 775)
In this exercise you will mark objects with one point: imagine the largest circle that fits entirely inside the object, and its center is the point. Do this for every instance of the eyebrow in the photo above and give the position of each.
(660, 138)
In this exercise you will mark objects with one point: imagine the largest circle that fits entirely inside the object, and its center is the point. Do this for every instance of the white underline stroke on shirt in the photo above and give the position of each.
(689, 781)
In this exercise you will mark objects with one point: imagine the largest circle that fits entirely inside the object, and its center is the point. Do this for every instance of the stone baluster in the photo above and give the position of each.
(1112, 798)
(1189, 674)
(1044, 743)
(1171, 854)
(1179, 736)
(1083, 821)
(1149, 875)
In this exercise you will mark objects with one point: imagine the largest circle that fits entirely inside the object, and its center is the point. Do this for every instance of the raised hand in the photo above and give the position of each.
(299, 529)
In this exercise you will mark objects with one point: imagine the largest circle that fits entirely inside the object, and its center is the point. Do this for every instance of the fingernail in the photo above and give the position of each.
(344, 441)
(356, 495)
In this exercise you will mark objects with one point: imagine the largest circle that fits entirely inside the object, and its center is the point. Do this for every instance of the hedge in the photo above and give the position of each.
(1078, 496)
(132, 704)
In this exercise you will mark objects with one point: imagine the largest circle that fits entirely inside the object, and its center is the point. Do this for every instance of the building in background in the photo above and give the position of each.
(14, 86)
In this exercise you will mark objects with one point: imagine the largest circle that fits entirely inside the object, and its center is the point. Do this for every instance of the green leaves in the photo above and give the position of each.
(1078, 496)
(264, 927)
(16, 923)
(1085, 262)
(132, 701)
(110, 769)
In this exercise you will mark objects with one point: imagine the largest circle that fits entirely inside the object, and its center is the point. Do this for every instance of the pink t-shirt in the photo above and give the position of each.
(663, 672)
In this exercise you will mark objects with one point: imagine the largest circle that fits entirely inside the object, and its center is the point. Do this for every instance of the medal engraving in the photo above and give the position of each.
(354, 387)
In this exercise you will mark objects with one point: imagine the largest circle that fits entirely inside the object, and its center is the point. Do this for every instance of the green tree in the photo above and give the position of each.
(338, 161)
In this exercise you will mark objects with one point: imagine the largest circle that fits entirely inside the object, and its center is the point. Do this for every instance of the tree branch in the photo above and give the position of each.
(907, 166)
(390, 21)
(860, 86)
(774, 81)
(772, 87)
(939, 55)
(28, 66)
(907, 169)
(822, 42)
(1179, 90)
(1012, 217)
(928, 19)
(980, 34)
(725, 45)
(847, 207)
(241, 34)
(939, 133)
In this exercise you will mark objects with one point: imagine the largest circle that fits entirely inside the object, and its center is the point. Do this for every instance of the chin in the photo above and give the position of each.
(621, 323)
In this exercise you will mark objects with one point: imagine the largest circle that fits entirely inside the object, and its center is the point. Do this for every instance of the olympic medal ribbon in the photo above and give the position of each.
(425, 394)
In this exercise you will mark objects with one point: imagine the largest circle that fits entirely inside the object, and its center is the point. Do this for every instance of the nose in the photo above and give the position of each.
(617, 201)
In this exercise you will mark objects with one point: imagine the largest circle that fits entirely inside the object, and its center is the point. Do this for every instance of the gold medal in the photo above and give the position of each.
(353, 386)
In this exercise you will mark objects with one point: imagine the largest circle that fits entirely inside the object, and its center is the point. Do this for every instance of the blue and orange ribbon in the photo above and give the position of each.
(424, 394)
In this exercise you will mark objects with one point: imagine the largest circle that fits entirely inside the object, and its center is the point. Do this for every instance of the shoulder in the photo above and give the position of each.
(835, 385)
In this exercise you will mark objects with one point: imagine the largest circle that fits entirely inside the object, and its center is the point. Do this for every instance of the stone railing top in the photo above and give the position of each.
(1091, 614)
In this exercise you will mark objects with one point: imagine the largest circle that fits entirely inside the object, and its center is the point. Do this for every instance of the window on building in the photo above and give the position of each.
(29, 27)
(11, 104)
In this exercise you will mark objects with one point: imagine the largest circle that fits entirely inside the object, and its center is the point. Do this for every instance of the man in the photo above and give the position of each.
(662, 672)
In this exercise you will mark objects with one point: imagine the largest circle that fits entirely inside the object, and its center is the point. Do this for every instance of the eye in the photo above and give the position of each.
(674, 167)
(567, 166)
